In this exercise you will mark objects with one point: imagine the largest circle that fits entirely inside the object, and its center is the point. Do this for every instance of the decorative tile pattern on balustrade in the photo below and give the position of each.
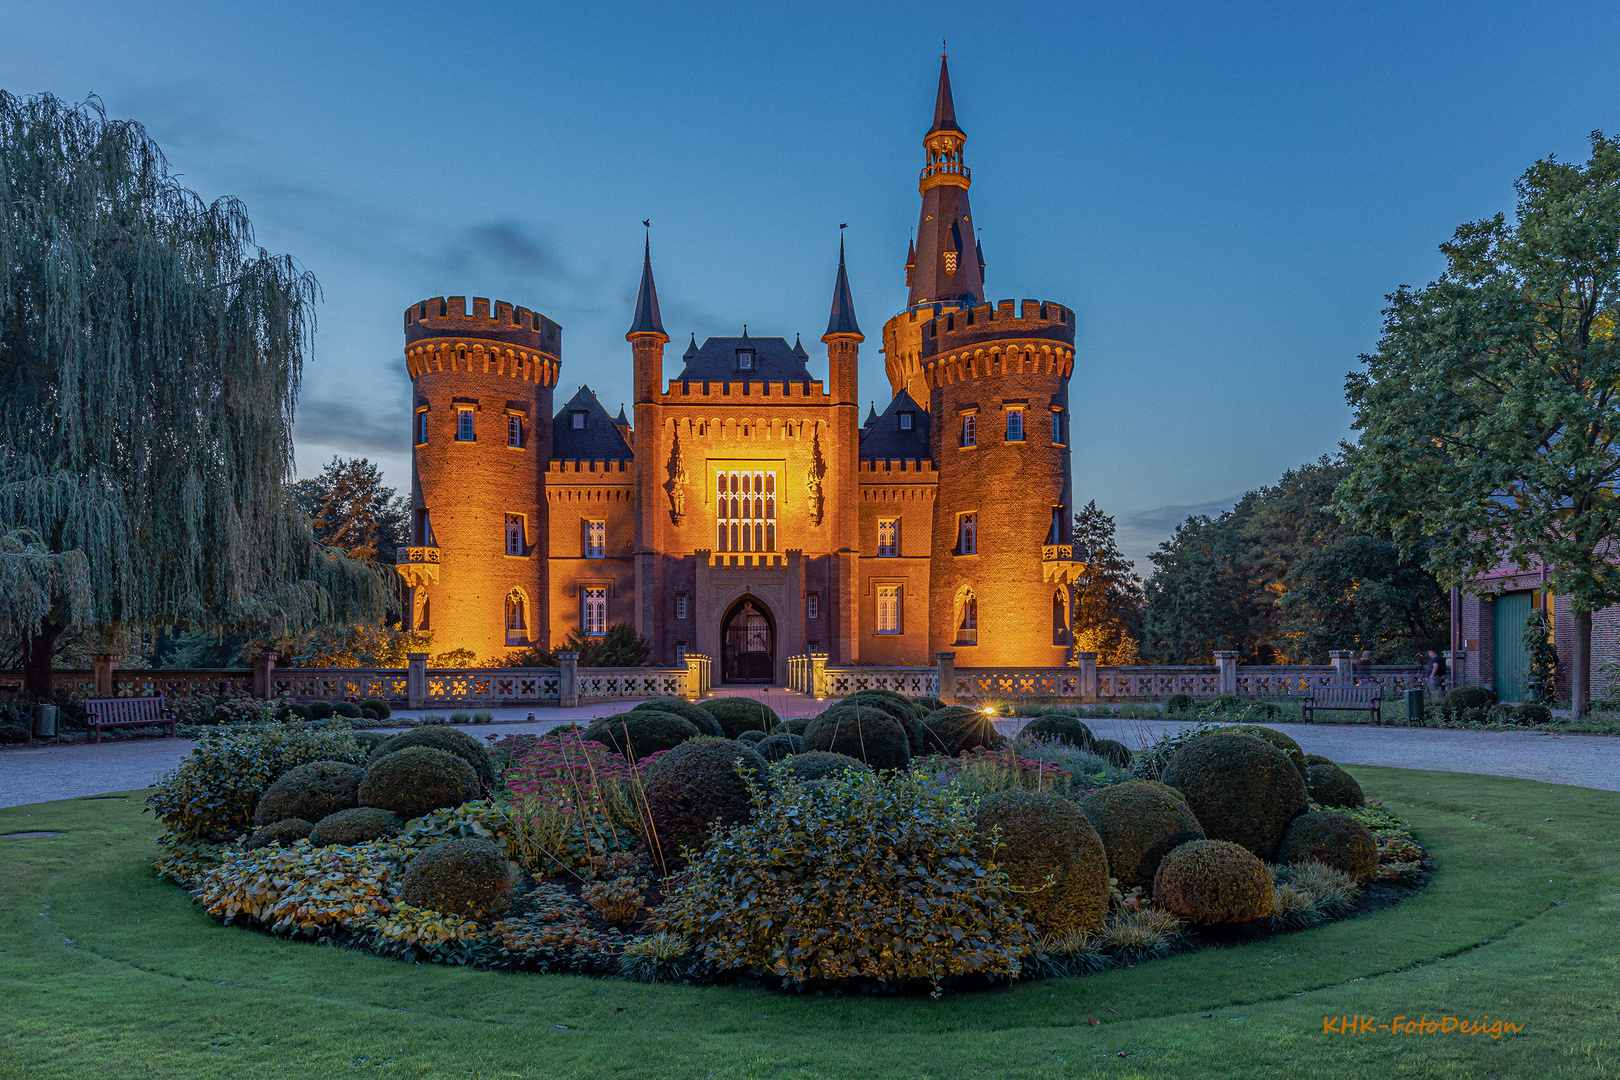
(631, 682)
(202, 682)
(997, 683)
(1152, 683)
(338, 684)
(1268, 681)
(910, 681)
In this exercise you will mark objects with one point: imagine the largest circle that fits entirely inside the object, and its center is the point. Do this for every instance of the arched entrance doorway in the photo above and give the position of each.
(748, 643)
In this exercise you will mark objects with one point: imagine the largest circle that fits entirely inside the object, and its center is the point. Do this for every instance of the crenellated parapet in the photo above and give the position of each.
(994, 339)
(441, 335)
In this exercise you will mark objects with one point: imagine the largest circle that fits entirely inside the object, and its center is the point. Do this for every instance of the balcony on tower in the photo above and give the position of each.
(1059, 564)
(417, 565)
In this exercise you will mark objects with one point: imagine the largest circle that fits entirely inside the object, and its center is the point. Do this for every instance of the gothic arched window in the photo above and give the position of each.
(517, 618)
(967, 617)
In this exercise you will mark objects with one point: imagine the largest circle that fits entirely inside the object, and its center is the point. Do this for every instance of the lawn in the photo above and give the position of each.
(108, 972)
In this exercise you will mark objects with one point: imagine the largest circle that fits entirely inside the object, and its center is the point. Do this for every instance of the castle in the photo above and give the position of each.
(746, 512)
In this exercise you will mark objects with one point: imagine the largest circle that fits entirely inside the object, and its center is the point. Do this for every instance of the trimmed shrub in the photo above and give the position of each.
(1330, 785)
(641, 733)
(1213, 881)
(1241, 788)
(418, 780)
(301, 711)
(367, 714)
(285, 833)
(925, 705)
(798, 724)
(378, 706)
(693, 713)
(1333, 838)
(1116, 754)
(310, 792)
(1043, 835)
(779, 746)
(737, 715)
(459, 743)
(809, 766)
(848, 883)
(1470, 697)
(1139, 822)
(699, 786)
(14, 734)
(896, 706)
(470, 878)
(1275, 738)
(346, 709)
(752, 737)
(1178, 703)
(1067, 729)
(320, 710)
(1532, 715)
(1318, 759)
(956, 728)
(211, 795)
(369, 741)
(357, 825)
(868, 735)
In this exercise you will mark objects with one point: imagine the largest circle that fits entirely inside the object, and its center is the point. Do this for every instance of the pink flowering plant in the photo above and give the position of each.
(574, 800)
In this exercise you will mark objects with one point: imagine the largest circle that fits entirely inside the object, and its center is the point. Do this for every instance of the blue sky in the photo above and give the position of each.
(1223, 192)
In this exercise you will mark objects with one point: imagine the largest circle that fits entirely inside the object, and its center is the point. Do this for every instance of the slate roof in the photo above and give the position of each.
(647, 320)
(598, 440)
(944, 106)
(774, 361)
(842, 318)
(884, 441)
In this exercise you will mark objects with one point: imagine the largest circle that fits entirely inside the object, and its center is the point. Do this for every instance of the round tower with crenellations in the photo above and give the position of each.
(481, 423)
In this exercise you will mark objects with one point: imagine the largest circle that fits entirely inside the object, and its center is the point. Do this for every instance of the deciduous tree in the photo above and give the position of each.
(1107, 594)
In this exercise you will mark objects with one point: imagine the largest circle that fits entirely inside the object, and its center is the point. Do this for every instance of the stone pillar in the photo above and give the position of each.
(694, 677)
(1344, 666)
(818, 675)
(947, 676)
(263, 664)
(1226, 665)
(568, 684)
(105, 665)
(416, 680)
(1088, 676)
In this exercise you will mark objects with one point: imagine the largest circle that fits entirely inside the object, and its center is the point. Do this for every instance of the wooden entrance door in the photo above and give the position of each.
(1512, 664)
(748, 648)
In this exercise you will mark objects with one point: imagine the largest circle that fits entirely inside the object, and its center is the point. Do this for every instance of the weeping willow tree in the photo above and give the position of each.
(150, 356)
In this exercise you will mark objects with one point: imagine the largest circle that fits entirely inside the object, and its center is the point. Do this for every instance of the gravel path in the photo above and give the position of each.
(64, 772)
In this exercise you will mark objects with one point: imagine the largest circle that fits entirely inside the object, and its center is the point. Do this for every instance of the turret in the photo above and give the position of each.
(482, 383)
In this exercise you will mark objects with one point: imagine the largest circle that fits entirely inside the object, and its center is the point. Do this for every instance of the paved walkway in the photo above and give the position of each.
(66, 772)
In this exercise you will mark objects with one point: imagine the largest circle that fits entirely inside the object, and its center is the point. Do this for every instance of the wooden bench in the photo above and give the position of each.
(128, 712)
(1369, 698)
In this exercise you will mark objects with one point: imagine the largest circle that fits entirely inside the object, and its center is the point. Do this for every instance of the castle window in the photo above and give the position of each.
(576, 420)
(1060, 619)
(888, 531)
(1054, 535)
(967, 617)
(595, 610)
(1057, 427)
(745, 511)
(905, 421)
(421, 427)
(812, 605)
(1015, 425)
(517, 618)
(967, 534)
(514, 430)
(596, 539)
(424, 529)
(745, 359)
(888, 609)
(680, 605)
(970, 429)
(464, 424)
(514, 534)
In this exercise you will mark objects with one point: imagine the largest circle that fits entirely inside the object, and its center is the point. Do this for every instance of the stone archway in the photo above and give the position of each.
(748, 643)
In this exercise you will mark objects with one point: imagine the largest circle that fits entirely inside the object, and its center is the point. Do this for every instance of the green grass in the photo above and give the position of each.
(106, 972)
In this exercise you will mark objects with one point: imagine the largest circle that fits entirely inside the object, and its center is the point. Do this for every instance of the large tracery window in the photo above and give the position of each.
(745, 511)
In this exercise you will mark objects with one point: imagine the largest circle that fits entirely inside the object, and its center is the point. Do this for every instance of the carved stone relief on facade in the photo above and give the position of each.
(818, 469)
(675, 486)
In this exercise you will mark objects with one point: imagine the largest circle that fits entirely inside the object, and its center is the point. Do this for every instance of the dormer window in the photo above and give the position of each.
(745, 359)
(905, 421)
(576, 420)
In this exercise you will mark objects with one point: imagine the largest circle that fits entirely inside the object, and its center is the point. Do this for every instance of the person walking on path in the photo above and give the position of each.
(1434, 673)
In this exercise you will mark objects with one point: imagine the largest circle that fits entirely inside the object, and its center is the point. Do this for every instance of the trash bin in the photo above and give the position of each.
(1414, 706)
(44, 721)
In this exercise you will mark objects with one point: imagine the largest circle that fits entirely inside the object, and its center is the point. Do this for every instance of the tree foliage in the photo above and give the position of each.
(150, 356)
(1488, 413)
(619, 646)
(351, 510)
(1107, 594)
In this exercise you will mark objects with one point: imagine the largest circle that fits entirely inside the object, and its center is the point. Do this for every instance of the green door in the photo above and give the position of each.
(1512, 662)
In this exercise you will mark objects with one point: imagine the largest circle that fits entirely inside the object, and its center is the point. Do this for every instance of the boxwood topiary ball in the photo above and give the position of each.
(1332, 837)
(1043, 835)
(378, 706)
(810, 765)
(1140, 822)
(471, 878)
(1318, 759)
(1214, 881)
(1275, 738)
(897, 707)
(320, 710)
(346, 709)
(868, 735)
(1065, 729)
(641, 733)
(355, 826)
(736, 715)
(418, 780)
(779, 746)
(697, 787)
(1115, 753)
(752, 737)
(690, 711)
(1240, 788)
(1331, 786)
(798, 724)
(309, 792)
(926, 705)
(285, 833)
(448, 739)
(299, 710)
(956, 728)
(1178, 703)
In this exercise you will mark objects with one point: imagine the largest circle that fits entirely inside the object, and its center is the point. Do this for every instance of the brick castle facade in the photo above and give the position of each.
(745, 511)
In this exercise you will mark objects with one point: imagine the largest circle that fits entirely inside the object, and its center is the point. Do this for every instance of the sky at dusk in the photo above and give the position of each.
(1222, 192)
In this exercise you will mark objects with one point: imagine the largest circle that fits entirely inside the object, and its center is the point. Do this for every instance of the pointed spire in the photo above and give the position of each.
(871, 415)
(944, 107)
(621, 420)
(842, 319)
(647, 320)
(692, 349)
(798, 349)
